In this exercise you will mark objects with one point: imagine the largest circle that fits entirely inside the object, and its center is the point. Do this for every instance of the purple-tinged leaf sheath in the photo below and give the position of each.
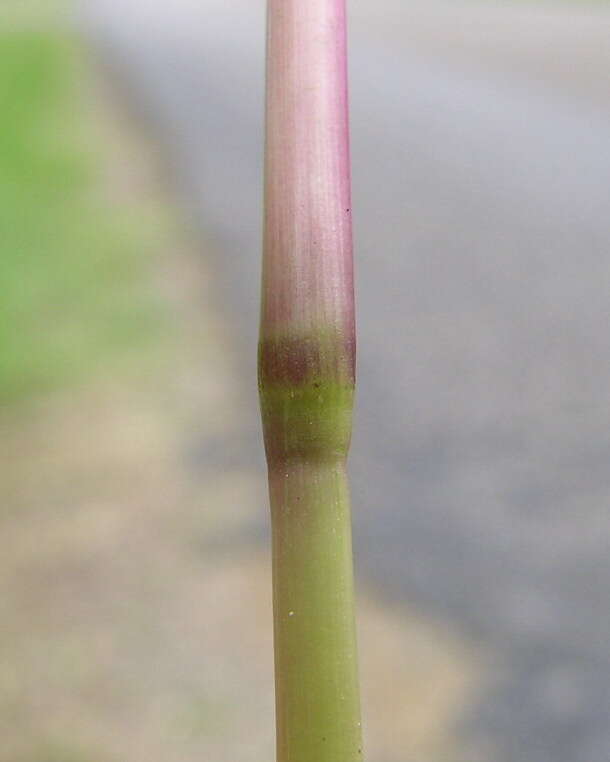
(307, 338)
(307, 263)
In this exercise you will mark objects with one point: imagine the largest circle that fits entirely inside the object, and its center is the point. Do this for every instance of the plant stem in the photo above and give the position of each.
(306, 380)
(315, 650)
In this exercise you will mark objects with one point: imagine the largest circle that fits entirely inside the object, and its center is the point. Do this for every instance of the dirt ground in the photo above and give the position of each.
(134, 608)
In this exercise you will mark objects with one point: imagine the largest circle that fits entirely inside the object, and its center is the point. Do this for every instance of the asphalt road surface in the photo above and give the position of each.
(481, 456)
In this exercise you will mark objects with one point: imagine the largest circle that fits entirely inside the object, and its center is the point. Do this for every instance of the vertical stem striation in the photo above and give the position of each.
(306, 379)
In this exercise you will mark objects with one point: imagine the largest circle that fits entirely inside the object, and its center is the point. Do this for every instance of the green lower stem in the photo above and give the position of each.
(317, 694)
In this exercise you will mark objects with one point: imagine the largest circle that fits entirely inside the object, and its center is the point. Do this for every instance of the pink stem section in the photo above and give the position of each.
(307, 262)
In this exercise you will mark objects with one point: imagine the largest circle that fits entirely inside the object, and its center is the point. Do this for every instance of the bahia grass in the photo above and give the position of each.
(306, 379)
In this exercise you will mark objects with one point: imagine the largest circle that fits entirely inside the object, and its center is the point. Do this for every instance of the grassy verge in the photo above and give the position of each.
(75, 295)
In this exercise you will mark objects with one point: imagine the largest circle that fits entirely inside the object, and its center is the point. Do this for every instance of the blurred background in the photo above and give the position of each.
(135, 618)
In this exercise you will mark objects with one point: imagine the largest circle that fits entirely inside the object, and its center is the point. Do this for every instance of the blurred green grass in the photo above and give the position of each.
(75, 296)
